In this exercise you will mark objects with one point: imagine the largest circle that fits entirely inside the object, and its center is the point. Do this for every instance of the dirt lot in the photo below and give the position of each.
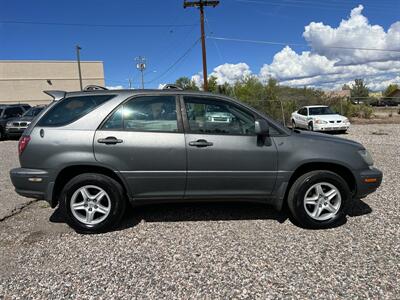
(210, 250)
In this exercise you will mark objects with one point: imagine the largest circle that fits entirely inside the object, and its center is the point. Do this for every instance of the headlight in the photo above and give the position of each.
(366, 157)
(9, 124)
(318, 121)
(345, 120)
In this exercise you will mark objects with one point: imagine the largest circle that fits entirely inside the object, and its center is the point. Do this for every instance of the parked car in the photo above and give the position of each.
(91, 152)
(9, 112)
(16, 126)
(319, 118)
(384, 103)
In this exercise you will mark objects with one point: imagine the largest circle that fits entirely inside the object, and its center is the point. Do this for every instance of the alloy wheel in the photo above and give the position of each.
(90, 205)
(322, 201)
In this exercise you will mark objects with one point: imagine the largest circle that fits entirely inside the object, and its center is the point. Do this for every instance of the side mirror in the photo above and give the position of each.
(261, 127)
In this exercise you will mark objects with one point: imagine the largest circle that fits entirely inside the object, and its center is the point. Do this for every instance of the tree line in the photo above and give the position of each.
(279, 101)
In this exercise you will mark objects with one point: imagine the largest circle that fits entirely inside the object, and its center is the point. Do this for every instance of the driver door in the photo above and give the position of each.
(223, 156)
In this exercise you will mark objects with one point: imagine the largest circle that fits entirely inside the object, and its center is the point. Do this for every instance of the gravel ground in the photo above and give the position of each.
(11, 203)
(201, 251)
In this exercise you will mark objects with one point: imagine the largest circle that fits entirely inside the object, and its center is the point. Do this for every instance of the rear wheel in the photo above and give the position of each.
(293, 125)
(319, 199)
(92, 202)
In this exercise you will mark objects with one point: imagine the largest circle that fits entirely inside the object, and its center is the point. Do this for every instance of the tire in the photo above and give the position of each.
(293, 125)
(342, 131)
(106, 210)
(310, 126)
(328, 215)
(2, 134)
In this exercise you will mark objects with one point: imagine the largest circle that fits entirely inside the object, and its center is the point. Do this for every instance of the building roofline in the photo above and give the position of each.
(392, 93)
(51, 61)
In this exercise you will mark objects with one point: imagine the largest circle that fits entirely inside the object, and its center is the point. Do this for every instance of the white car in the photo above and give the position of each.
(319, 118)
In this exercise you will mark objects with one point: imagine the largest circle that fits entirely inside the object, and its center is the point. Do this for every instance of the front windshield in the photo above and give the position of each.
(323, 110)
(32, 112)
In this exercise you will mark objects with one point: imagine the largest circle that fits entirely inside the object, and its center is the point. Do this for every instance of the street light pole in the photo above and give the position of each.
(78, 58)
(141, 66)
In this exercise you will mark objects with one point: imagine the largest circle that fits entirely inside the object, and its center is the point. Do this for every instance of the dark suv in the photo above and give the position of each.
(93, 151)
(15, 127)
(9, 112)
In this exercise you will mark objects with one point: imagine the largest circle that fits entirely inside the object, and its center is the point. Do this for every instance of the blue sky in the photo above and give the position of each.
(267, 20)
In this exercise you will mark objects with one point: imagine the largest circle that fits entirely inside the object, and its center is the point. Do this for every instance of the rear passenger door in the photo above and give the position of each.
(223, 153)
(143, 139)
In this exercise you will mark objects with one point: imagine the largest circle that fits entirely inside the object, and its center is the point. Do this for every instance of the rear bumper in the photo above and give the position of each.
(331, 127)
(32, 183)
(368, 181)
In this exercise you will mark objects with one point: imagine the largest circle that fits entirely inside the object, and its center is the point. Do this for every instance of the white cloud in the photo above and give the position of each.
(354, 32)
(230, 73)
(329, 68)
(198, 79)
(226, 73)
(115, 87)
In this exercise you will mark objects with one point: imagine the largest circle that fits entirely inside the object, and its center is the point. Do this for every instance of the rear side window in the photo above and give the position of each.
(148, 113)
(71, 109)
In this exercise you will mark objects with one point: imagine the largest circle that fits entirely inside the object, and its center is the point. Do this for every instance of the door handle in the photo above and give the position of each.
(111, 140)
(200, 143)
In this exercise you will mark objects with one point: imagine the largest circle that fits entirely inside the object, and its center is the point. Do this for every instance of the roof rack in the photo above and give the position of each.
(172, 87)
(95, 88)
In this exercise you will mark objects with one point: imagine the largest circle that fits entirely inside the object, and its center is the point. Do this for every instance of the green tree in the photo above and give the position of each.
(390, 89)
(186, 84)
(271, 89)
(359, 90)
(212, 84)
(346, 87)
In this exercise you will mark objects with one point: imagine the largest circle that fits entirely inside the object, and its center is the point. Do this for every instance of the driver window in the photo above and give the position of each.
(303, 111)
(213, 116)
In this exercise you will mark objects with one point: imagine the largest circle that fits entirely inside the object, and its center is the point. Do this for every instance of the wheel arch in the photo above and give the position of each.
(68, 172)
(339, 169)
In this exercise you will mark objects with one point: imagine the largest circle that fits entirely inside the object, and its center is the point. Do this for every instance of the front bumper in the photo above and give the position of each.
(15, 130)
(331, 127)
(368, 181)
(33, 183)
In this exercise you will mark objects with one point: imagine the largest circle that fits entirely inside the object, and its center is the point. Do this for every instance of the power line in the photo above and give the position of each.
(176, 62)
(97, 25)
(299, 45)
(311, 4)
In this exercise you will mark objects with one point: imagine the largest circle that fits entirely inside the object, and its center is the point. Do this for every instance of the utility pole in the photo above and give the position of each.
(130, 83)
(78, 58)
(141, 66)
(200, 4)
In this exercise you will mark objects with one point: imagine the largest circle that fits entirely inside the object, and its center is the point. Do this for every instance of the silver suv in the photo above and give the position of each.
(92, 152)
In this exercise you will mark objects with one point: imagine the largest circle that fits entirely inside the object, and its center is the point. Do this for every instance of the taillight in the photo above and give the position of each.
(23, 142)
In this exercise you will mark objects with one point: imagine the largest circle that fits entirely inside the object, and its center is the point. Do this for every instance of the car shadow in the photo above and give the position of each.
(191, 212)
(209, 211)
(359, 208)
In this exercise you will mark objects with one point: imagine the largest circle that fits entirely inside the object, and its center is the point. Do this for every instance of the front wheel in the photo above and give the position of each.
(310, 126)
(319, 199)
(2, 134)
(293, 125)
(92, 202)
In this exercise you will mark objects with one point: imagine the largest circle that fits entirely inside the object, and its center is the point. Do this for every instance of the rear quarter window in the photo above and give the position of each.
(71, 109)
